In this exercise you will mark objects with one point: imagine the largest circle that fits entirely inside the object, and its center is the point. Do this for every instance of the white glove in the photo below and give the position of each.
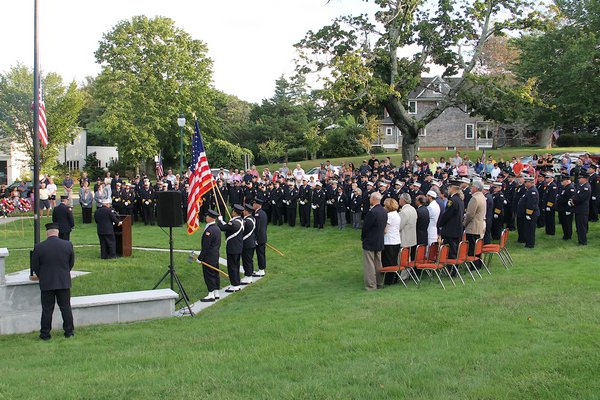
(567, 213)
(220, 218)
(505, 202)
(593, 198)
(314, 207)
(273, 202)
(495, 216)
(528, 218)
(548, 209)
(570, 202)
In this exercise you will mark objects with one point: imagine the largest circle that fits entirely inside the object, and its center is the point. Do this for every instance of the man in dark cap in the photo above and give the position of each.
(106, 218)
(52, 261)
(580, 204)
(62, 215)
(450, 223)
(594, 182)
(565, 215)
(249, 244)
(318, 206)
(209, 253)
(234, 238)
(549, 203)
(528, 209)
(261, 218)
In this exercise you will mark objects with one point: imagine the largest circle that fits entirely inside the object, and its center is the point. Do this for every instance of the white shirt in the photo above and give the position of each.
(495, 172)
(434, 214)
(298, 173)
(392, 229)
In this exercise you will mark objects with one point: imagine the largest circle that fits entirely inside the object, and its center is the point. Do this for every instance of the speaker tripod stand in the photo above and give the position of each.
(173, 275)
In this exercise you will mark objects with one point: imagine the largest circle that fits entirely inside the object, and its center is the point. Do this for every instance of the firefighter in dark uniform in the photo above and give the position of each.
(466, 189)
(249, 244)
(528, 210)
(565, 215)
(580, 204)
(147, 199)
(489, 213)
(509, 194)
(594, 181)
(128, 198)
(209, 253)
(261, 218)
(450, 223)
(519, 192)
(63, 216)
(276, 203)
(304, 194)
(221, 201)
(117, 197)
(541, 187)
(106, 219)
(235, 193)
(290, 199)
(499, 204)
(234, 237)
(317, 204)
(330, 198)
(249, 193)
(549, 203)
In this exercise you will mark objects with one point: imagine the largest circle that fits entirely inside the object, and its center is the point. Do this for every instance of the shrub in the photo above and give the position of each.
(221, 153)
(567, 140)
(297, 154)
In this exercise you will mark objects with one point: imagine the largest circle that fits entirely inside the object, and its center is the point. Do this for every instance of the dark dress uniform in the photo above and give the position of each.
(290, 198)
(489, 217)
(580, 204)
(341, 206)
(422, 224)
(450, 224)
(128, 198)
(565, 214)
(117, 199)
(541, 187)
(594, 182)
(356, 209)
(497, 223)
(249, 245)
(528, 210)
(235, 194)
(509, 194)
(209, 253)
(106, 219)
(147, 199)
(261, 218)
(304, 194)
(330, 198)
(467, 198)
(549, 205)
(63, 216)
(276, 205)
(234, 237)
(220, 202)
(317, 204)
(52, 261)
(519, 192)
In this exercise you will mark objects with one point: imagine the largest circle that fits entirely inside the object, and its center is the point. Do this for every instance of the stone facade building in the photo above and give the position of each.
(454, 129)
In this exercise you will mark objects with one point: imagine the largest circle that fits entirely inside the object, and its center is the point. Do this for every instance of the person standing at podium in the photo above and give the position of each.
(106, 218)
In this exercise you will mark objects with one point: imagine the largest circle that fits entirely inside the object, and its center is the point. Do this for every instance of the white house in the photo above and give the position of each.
(74, 154)
(14, 163)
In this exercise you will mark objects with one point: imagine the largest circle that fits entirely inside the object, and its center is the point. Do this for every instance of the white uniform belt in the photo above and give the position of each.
(251, 231)
(237, 233)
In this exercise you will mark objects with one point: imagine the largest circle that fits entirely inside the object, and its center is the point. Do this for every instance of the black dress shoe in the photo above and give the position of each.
(207, 300)
(69, 335)
(45, 338)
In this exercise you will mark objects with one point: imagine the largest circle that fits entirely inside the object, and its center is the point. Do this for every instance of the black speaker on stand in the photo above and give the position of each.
(168, 210)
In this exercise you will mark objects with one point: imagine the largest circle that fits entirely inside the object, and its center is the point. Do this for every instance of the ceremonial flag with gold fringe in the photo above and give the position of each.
(201, 180)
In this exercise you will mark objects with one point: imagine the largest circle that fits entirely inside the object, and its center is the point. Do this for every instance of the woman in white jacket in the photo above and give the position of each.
(434, 214)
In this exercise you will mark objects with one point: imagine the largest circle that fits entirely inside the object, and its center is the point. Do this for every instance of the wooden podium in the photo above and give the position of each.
(123, 236)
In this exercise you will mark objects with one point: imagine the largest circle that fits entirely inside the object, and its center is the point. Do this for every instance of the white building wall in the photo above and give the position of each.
(74, 154)
(17, 162)
(105, 154)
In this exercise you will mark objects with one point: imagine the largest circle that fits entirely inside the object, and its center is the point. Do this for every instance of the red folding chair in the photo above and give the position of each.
(500, 249)
(461, 258)
(477, 257)
(438, 265)
(403, 263)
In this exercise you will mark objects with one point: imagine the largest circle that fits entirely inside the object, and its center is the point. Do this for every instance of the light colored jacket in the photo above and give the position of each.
(434, 214)
(408, 226)
(475, 215)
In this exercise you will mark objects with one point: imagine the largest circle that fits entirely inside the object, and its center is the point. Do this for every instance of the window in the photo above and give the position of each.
(388, 131)
(469, 131)
(423, 132)
(451, 148)
(412, 107)
(484, 131)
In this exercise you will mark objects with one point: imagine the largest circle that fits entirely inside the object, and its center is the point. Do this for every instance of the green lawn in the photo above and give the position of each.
(310, 331)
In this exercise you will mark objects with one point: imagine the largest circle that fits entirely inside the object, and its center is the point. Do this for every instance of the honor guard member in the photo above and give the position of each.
(261, 219)
(106, 218)
(565, 215)
(128, 198)
(489, 213)
(52, 261)
(290, 199)
(62, 215)
(580, 204)
(276, 203)
(450, 223)
(330, 198)
(509, 193)
(549, 203)
(519, 192)
(234, 237)
(356, 200)
(341, 206)
(317, 204)
(466, 189)
(366, 196)
(249, 193)
(528, 210)
(235, 193)
(221, 201)
(147, 199)
(116, 196)
(304, 193)
(541, 187)
(209, 253)
(249, 244)
(594, 181)
(499, 204)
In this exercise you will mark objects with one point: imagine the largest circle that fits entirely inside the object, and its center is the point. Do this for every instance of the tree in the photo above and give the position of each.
(271, 150)
(63, 104)
(313, 140)
(152, 71)
(364, 63)
(233, 116)
(221, 153)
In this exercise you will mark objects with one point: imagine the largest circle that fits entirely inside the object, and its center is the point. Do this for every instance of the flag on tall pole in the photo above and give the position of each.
(42, 131)
(201, 180)
(160, 172)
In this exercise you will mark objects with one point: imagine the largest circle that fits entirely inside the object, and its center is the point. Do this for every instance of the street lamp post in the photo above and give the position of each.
(181, 123)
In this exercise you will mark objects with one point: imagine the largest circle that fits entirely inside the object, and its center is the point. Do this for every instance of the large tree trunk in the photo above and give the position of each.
(410, 145)
(545, 138)
(407, 125)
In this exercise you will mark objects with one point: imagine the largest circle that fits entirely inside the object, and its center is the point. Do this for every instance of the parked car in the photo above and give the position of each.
(26, 193)
(217, 171)
(314, 172)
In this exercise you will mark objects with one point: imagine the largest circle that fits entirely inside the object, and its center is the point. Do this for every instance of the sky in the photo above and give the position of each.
(250, 41)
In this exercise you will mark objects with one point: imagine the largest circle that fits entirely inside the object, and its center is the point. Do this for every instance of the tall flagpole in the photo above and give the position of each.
(36, 145)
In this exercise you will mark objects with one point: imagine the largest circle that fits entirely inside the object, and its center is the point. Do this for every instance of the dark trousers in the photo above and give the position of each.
(276, 212)
(593, 210)
(332, 215)
(148, 214)
(319, 217)
(550, 222)
(472, 238)
(248, 261)
(487, 236)
(63, 299)
(452, 246)
(497, 227)
(566, 222)
(529, 226)
(211, 277)
(261, 256)
(541, 219)
(581, 224)
(291, 216)
(509, 217)
(389, 257)
(520, 225)
(86, 215)
(64, 235)
(305, 215)
(108, 246)
(233, 268)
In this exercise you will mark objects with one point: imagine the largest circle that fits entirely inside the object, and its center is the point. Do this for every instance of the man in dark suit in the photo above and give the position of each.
(249, 244)
(422, 220)
(372, 242)
(62, 215)
(52, 261)
(234, 238)
(528, 209)
(450, 223)
(262, 219)
(580, 204)
(106, 218)
(209, 253)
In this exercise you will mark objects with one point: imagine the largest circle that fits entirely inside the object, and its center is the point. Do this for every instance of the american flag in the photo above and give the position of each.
(201, 180)
(42, 131)
(159, 167)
